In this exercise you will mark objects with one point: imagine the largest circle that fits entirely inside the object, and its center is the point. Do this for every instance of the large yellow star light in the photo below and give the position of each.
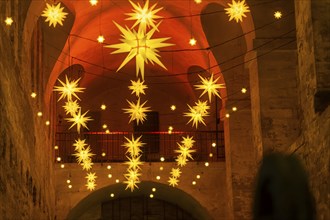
(68, 89)
(71, 107)
(175, 172)
(79, 120)
(137, 87)
(145, 17)
(173, 181)
(134, 163)
(195, 116)
(137, 111)
(237, 10)
(83, 155)
(79, 145)
(141, 46)
(54, 14)
(210, 86)
(133, 146)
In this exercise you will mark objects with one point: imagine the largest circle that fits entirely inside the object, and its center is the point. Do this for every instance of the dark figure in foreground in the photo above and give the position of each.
(282, 191)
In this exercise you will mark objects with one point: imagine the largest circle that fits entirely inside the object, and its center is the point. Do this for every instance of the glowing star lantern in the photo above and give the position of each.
(176, 172)
(91, 177)
(277, 14)
(9, 21)
(141, 46)
(144, 17)
(198, 1)
(137, 87)
(33, 95)
(195, 116)
(202, 107)
(134, 163)
(210, 86)
(237, 10)
(91, 186)
(87, 164)
(83, 155)
(181, 161)
(132, 174)
(188, 142)
(93, 2)
(79, 145)
(71, 107)
(100, 39)
(133, 146)
(131, 184)
(79, 120)
(54, 14)
(192, 41)
(137, 111)
(185, 152)
(103, 107)
(173, 181)
(68, 89)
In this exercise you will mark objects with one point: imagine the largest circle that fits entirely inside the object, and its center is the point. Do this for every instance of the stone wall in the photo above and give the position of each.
(313, 146)
(26, 173)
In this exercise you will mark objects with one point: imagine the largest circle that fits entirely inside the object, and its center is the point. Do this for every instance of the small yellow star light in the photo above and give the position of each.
(87, 164)
(141, 46)
(79, 120)
(188, 141)
(237, 10)
(83, 155)
(9, 21)
(202, 107)
(173, 181)
(173, 107)
(210, 86)
(133, 146)
(137, 111)
(93, 2)
(185, 151)
(131, 184)
(91, 186)
(71, 107)
(91, 177)
(134, 163)
(132, 174)
(277, 14)
(198, 1)
(137, 87)
(145, 17)
(181, 161)
(68, 89)
(79, 145)
(195, 116)
(176, 172)
(100, 39)
(192, 41)
(103, 107)
(54, 14)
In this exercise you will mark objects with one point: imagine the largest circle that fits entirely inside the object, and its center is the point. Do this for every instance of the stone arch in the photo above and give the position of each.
(163, 192)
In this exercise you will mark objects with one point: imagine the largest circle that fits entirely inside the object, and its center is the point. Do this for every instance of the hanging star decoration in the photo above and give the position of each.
(145, 17)
(71, 107)
(173, 181)
(237, 10)
(210, 86)
(91, 177)
(137, 87)
(54, 14)
(133, 155)
(176, 172)
(79, 144)
(87, 164)
(197, 113)
(137, 111)
(68, 89)
(79, 120)
(141, 46)
(83, 155)
(185, 151)
(91, 185)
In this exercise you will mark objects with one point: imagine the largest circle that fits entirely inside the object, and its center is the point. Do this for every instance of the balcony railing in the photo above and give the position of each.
(108, 147)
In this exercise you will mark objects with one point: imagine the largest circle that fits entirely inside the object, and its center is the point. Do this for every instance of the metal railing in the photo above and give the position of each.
(108, 147)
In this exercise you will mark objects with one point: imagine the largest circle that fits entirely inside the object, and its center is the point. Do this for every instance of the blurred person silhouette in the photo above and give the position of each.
(282, 190)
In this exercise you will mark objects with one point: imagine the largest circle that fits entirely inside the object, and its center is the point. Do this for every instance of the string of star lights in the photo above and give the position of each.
(133, 154)
(54, 14)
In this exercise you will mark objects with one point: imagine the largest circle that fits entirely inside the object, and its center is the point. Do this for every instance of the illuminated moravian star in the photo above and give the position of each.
(91, 177)
(210, 86)
(185, 152)
(68, 89)
(181, 160)
(87, 164)
(195, 116)
(54, 14)
(133, 146)
(83, 155)
(79, 120)
(91, 185)
(132, 174)
(79, 145)
(202, 107)
(131, 184)
(137, 87)
(145, 17)
(176, 172)
(134, 163)
(173, 181)
(137, 111)
(237, 10)
(71, 107)
(141, 46)
(188, 141)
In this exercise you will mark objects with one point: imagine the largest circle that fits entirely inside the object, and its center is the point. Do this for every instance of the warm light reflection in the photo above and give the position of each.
(9, 21)
(243, 90)
(100, 39)
(103, 107)
(33, 94)
(234, 108)
(192, 41)
(173, 107)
